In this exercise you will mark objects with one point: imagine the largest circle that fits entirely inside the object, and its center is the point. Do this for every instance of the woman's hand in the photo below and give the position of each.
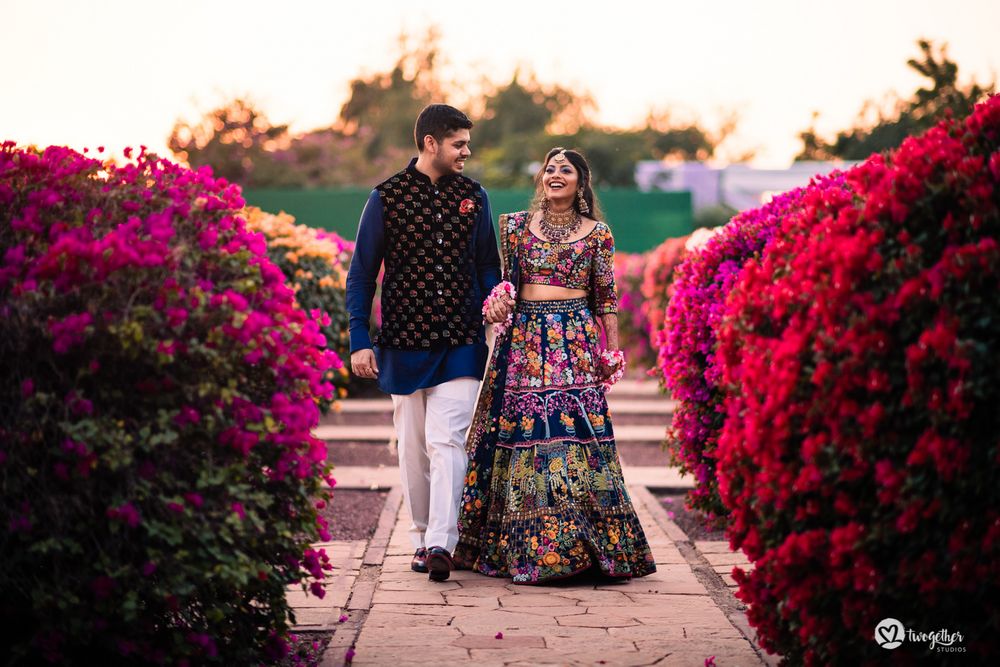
(498, 309)
(611, 367)
(499, 304)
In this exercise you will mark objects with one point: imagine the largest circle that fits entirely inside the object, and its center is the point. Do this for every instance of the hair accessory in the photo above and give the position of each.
(560, 157)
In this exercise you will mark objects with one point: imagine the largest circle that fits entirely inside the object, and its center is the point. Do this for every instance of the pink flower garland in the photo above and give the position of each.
(613, 359)
(504, 288)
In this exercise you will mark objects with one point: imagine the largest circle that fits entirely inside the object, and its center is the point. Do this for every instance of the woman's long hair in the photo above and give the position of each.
(585, 181)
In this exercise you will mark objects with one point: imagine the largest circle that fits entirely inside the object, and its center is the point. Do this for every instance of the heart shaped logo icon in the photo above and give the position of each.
(887, 634)
(890, 633)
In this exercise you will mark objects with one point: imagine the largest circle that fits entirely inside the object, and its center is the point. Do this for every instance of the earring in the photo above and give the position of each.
(582, 203)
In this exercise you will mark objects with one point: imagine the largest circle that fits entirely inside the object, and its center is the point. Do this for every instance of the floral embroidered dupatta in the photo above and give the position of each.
(484, 433)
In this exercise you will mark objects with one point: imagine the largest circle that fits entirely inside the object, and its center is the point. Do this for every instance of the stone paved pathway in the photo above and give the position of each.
(681, 615)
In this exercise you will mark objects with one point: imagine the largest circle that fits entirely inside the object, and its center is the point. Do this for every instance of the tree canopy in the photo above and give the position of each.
(516, 123)
(940, 96)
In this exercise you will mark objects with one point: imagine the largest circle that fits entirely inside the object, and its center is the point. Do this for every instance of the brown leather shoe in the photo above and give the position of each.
(419, 562)
(439, 563)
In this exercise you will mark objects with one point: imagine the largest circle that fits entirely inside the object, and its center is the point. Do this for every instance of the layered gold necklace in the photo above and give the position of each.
(559, 226)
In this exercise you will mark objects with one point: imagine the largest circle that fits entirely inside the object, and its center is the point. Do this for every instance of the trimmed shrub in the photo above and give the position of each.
(315, 264)
(714, 216)
(158, 475)
(687, 358)
(860, 453)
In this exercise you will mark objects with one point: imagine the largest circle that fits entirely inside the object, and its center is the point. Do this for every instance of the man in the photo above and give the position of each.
(433, 228)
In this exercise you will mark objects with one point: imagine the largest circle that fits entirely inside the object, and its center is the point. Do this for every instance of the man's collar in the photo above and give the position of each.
(416, 173)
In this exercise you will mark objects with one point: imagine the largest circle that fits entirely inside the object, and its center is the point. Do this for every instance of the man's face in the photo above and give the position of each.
(451, 153)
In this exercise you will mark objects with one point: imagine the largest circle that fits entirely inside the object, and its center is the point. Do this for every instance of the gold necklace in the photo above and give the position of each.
(558, 227)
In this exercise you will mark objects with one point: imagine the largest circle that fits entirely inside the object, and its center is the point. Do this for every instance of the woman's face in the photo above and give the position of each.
(560, 178)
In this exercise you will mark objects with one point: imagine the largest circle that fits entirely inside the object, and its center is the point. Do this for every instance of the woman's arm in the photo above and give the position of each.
(610, 323)
(602, 285)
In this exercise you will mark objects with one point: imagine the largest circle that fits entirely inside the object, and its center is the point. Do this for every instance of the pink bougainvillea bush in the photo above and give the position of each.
(658, 286)
(632, 323)
(158, 475)
(860, 455)
(315, 265)
(688, 344)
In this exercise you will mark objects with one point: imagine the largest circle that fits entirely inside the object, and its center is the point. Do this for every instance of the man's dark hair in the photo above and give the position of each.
(439, 120)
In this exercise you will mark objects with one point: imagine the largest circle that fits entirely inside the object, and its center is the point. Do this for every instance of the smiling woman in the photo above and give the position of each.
(544, 496)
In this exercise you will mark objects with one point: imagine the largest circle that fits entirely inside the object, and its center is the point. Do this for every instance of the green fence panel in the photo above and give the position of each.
(640, 220)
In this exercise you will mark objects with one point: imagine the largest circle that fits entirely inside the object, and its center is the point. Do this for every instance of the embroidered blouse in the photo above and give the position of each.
(587, 263)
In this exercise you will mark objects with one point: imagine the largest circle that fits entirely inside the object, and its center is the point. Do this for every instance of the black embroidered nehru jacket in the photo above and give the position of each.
(430, 296)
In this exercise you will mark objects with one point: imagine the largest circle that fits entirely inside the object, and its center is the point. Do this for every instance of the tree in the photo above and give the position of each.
(524, 118)
(513, 129)
(515, 124)
(383, 107)
(373, 134)
(235, 139)
(938, 98)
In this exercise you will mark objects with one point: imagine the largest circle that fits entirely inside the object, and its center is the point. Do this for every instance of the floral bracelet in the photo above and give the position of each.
(504, 288)
(613, 359)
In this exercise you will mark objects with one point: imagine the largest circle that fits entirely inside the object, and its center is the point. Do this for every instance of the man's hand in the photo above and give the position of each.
(363, 364)
(498, 309)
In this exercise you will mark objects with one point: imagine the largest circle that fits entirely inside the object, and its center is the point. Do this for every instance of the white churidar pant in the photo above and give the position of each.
(431, 426)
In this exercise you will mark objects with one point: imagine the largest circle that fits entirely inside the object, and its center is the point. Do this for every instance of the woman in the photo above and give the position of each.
(544, 496)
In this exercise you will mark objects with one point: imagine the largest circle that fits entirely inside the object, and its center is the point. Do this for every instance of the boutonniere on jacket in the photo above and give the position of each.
(466, 206)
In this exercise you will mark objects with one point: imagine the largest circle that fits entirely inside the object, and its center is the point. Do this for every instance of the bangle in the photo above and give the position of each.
(504, 288)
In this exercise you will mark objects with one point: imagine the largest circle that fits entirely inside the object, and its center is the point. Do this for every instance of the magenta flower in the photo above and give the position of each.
(70, 331)
(126, 513)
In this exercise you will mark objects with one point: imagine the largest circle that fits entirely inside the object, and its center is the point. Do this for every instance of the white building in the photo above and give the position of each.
(738, 186)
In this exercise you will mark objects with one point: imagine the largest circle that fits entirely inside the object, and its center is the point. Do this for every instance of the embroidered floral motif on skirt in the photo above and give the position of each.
(548, 499)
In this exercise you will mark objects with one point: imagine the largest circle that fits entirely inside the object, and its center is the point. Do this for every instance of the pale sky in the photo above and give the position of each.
(120, 72)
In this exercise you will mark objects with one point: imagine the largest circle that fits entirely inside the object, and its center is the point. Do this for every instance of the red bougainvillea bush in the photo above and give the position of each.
(687, 358)
(158, 475)
(860, 455)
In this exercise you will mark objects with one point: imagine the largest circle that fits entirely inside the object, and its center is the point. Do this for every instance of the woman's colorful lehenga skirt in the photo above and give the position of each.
(544, 496)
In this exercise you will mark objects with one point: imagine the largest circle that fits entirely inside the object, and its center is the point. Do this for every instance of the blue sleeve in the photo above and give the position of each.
(487, 252)
(369, 249)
